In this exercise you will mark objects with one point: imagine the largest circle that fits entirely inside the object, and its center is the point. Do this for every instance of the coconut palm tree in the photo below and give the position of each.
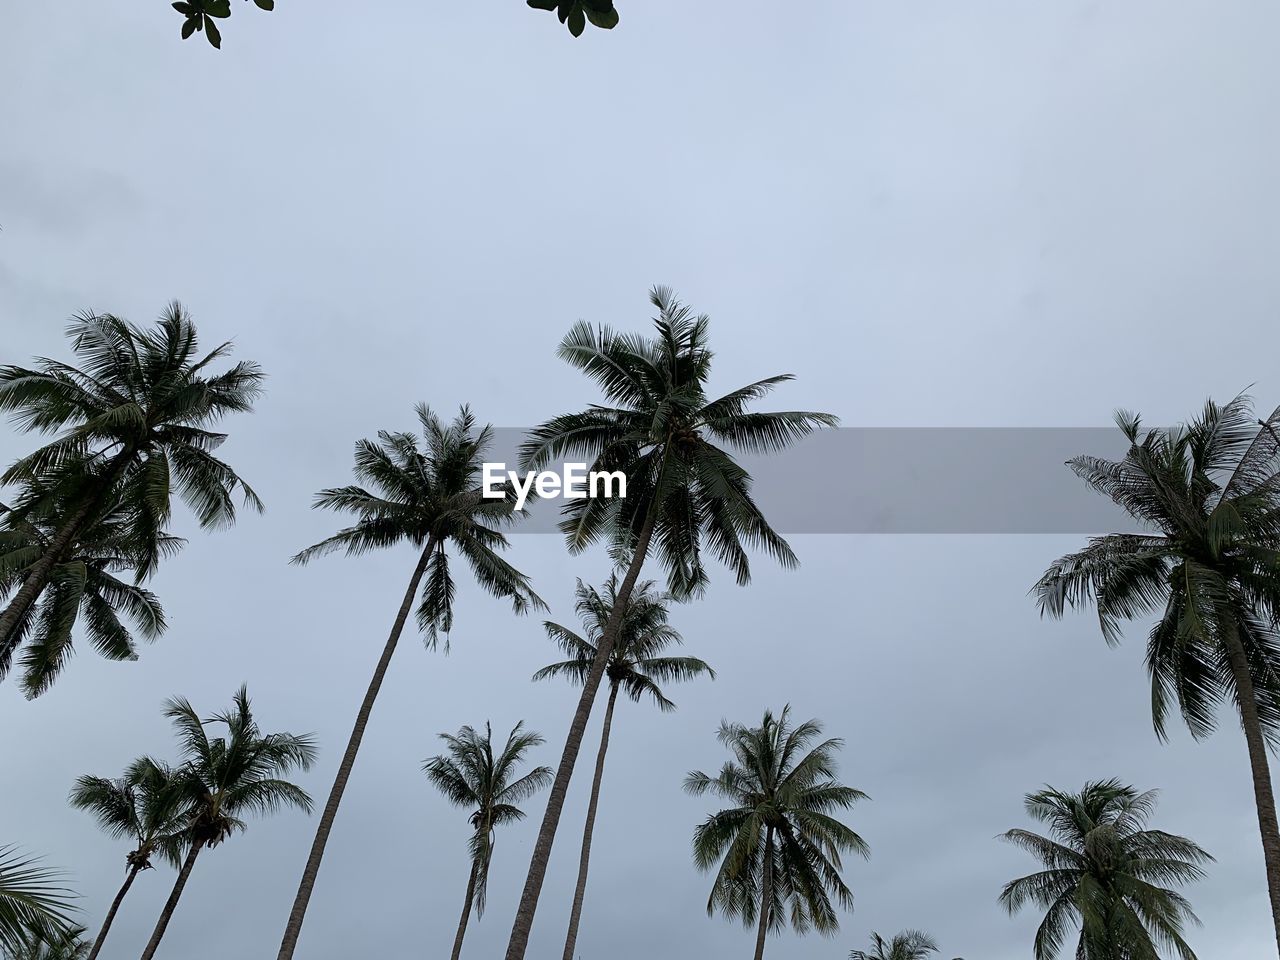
(470, 774)
(907, 945)
(33, 903)
(134, 421)
(149, 806)
(636, 666)
(227, 777)
(431, 498)
(1207, 495)
(778, 845)
(1104, 873)
(64, 944)
(685, 491)
(82, 586)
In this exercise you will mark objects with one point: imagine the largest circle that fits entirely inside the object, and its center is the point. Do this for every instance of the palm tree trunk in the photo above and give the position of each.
(766, 893)
(1263, 796)
(171, 904)
(466, 911)
(312, 869)
(579, 893)
(573, 743)
(37, 578)
(111, 914)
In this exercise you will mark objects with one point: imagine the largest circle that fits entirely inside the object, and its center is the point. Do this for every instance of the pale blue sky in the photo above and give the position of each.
(935, 214)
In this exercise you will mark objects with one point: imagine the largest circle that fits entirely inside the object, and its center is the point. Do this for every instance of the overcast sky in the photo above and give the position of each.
(933, 213)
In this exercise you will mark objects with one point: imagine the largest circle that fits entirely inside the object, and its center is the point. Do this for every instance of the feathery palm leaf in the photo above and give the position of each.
(779, 830)
(1106, 874)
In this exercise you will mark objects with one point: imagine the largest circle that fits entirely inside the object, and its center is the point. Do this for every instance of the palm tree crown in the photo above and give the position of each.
(147, 806)
(472, 774)
(1105, 873)
(661, 429)
(34, 905)
(1208, 495)
(1209, 492)
(636, 665)
(429, 494)
(83, 585)
(142, 400)
(134, 423)
(64, 944)
(779, 845)
(240, 772)
(907, 945)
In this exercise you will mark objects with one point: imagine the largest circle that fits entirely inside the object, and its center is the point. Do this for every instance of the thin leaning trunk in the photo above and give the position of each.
(573, 744)
(766, 894)
(171, 904)
(37, 578)
(580, 892)
(466, 911)
(312, 869)
(111, 913)
(1262, 792)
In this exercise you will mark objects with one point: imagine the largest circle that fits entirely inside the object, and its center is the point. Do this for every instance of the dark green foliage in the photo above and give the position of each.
(429, 492)
(637, 665)
(1209, 493)
(675, 445)
(1105, 873)
(34, 905)
(201, 16)
(63, 944)
(783, 799)
(471, 774)
(575, 14)
(83, 586)
(907, 945)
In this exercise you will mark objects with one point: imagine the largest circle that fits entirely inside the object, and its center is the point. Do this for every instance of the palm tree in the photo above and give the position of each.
(1208, 494)
(636, 666)
(134, 418)
(227, 777)
(81, 585)
(149, 807)
(429, 498)
(1103, 872)
(472, 775)
(32, 901)
(684, 491)
(64, 944)
(779, 844)
(907, 945)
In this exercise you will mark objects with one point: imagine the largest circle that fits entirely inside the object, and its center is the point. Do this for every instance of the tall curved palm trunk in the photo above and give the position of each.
(1263, 795)
(766, 894)
(325, 826)
(573, 745)
(172, 903)
(466, 912)
(580, 891)
(111, 913)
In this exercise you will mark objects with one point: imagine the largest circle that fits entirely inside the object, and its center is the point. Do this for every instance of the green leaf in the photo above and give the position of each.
(604, 19)
(211, 31)
(184, 8)
(543, 4)
(218, 8)
(189, 27)
(577, 21)
(265, 4)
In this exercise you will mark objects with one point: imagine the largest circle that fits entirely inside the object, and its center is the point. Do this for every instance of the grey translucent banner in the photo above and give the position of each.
(913, 480)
